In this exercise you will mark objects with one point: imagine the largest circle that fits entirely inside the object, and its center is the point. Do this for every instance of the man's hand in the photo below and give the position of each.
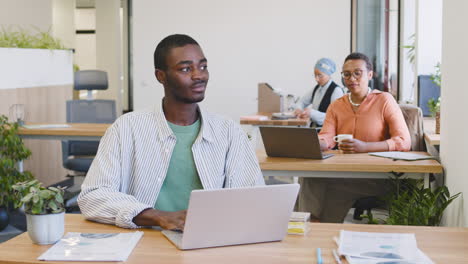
(353, 146)
(172, 220)
(166, 220)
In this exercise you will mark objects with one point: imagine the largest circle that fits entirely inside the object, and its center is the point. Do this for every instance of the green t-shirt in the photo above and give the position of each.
(182, 176)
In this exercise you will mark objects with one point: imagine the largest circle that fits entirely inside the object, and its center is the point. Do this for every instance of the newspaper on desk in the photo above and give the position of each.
(380, 248)
(93, 247)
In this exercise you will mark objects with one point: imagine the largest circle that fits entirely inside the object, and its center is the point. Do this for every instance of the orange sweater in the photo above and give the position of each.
(378, 118)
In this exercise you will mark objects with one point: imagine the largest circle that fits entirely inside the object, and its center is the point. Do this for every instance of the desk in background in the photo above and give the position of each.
(75, 131)
(275, 122)
(254, 132)
(358, 165)
(441, 244)
(430, 136)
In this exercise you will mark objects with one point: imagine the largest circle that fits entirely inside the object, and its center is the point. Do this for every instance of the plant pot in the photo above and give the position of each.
(45, 229)
(437, 123)
(4, 218)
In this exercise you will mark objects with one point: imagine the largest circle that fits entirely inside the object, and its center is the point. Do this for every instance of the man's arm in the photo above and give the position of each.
(242, 168)
(101, 199)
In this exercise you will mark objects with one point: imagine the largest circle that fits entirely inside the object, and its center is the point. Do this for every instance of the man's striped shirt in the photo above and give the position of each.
(133, 157)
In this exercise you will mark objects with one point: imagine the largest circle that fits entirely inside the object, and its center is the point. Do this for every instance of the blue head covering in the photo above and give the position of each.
(326, 66)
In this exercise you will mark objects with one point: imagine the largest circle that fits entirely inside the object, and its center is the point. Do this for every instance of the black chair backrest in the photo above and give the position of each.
(89, 111)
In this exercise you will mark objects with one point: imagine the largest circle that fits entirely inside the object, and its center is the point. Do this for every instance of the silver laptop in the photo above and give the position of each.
(236, 216)
(292, 142)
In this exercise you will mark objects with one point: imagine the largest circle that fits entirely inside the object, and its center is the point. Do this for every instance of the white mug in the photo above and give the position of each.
(341, 137)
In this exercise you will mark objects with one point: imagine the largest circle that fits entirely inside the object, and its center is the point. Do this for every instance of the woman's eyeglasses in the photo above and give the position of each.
(357, 74)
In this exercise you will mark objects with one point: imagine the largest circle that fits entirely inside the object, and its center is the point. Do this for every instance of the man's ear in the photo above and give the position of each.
(370, 74)
(160, 76)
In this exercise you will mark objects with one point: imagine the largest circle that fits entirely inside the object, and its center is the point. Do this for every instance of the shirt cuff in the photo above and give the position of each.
(125, 216)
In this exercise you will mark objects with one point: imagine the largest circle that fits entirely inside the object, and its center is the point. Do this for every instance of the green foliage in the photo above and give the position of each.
(38, 200)
(412, 204)
(434, 106)
(12, 150)
(22, 38)
(370, 218)
(411, 54)
(436, 77)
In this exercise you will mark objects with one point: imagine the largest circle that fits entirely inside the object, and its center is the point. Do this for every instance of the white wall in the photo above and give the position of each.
(245, 42)
(407, 29)
(429, 35)
(454, 122)
(63, 21)
(85, 54)
(26, 14)
(109, 49)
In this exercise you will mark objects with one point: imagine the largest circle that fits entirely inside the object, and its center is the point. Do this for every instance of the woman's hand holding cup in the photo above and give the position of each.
(344, 142)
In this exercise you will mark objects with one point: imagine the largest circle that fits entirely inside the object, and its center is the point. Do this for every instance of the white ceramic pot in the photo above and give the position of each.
(45, 229)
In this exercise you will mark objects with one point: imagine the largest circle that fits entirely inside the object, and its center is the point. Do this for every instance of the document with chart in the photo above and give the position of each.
(93, 247)
(370, 248)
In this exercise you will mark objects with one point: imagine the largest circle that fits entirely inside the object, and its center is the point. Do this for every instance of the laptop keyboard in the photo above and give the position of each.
(174, 236)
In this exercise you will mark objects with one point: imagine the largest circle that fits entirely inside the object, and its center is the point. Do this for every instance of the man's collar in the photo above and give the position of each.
(164, 131)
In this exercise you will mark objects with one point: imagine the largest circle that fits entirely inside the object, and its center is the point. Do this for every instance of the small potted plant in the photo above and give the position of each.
(44, 208)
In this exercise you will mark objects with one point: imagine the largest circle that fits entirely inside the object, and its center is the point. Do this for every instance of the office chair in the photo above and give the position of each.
(77, 156)
(414, 120)
(427, 89)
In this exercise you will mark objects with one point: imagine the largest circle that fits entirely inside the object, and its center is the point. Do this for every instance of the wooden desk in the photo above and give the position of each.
(432, 139)
(76, 131)
(441, 244)
(430, 136)
(275, 122)
(360, 165)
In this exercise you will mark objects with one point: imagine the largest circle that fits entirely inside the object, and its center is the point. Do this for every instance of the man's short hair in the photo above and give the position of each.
(360, 56)
(168, 43)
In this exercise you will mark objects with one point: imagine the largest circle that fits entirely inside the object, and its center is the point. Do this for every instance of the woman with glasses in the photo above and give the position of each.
(315, 103)
(376, 123)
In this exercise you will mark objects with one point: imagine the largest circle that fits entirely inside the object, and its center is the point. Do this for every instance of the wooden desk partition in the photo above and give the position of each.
(268, 100)
(441, 244)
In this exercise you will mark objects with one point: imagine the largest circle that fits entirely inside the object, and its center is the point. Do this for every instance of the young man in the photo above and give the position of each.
(148, 162)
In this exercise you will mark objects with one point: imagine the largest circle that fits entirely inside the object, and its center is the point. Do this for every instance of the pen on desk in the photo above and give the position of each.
(336, 256)
(319, 256)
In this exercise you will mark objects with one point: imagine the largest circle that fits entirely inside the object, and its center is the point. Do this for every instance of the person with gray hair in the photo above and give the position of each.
(314, 103)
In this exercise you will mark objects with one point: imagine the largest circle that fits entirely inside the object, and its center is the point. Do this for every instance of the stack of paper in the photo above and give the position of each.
(373, 248)
(399, 155)
(298, 223)
(93, 247)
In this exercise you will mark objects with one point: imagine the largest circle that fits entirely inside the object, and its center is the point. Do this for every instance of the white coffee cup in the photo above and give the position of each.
(341, 137)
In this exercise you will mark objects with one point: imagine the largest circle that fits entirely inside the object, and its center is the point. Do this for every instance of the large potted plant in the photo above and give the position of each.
(45, 210)
(410, 203)
(12, 151)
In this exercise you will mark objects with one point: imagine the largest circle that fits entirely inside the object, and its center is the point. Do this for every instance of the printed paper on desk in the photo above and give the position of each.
(93, 247)
(421, 259)
(383, 246)
(399, 155)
